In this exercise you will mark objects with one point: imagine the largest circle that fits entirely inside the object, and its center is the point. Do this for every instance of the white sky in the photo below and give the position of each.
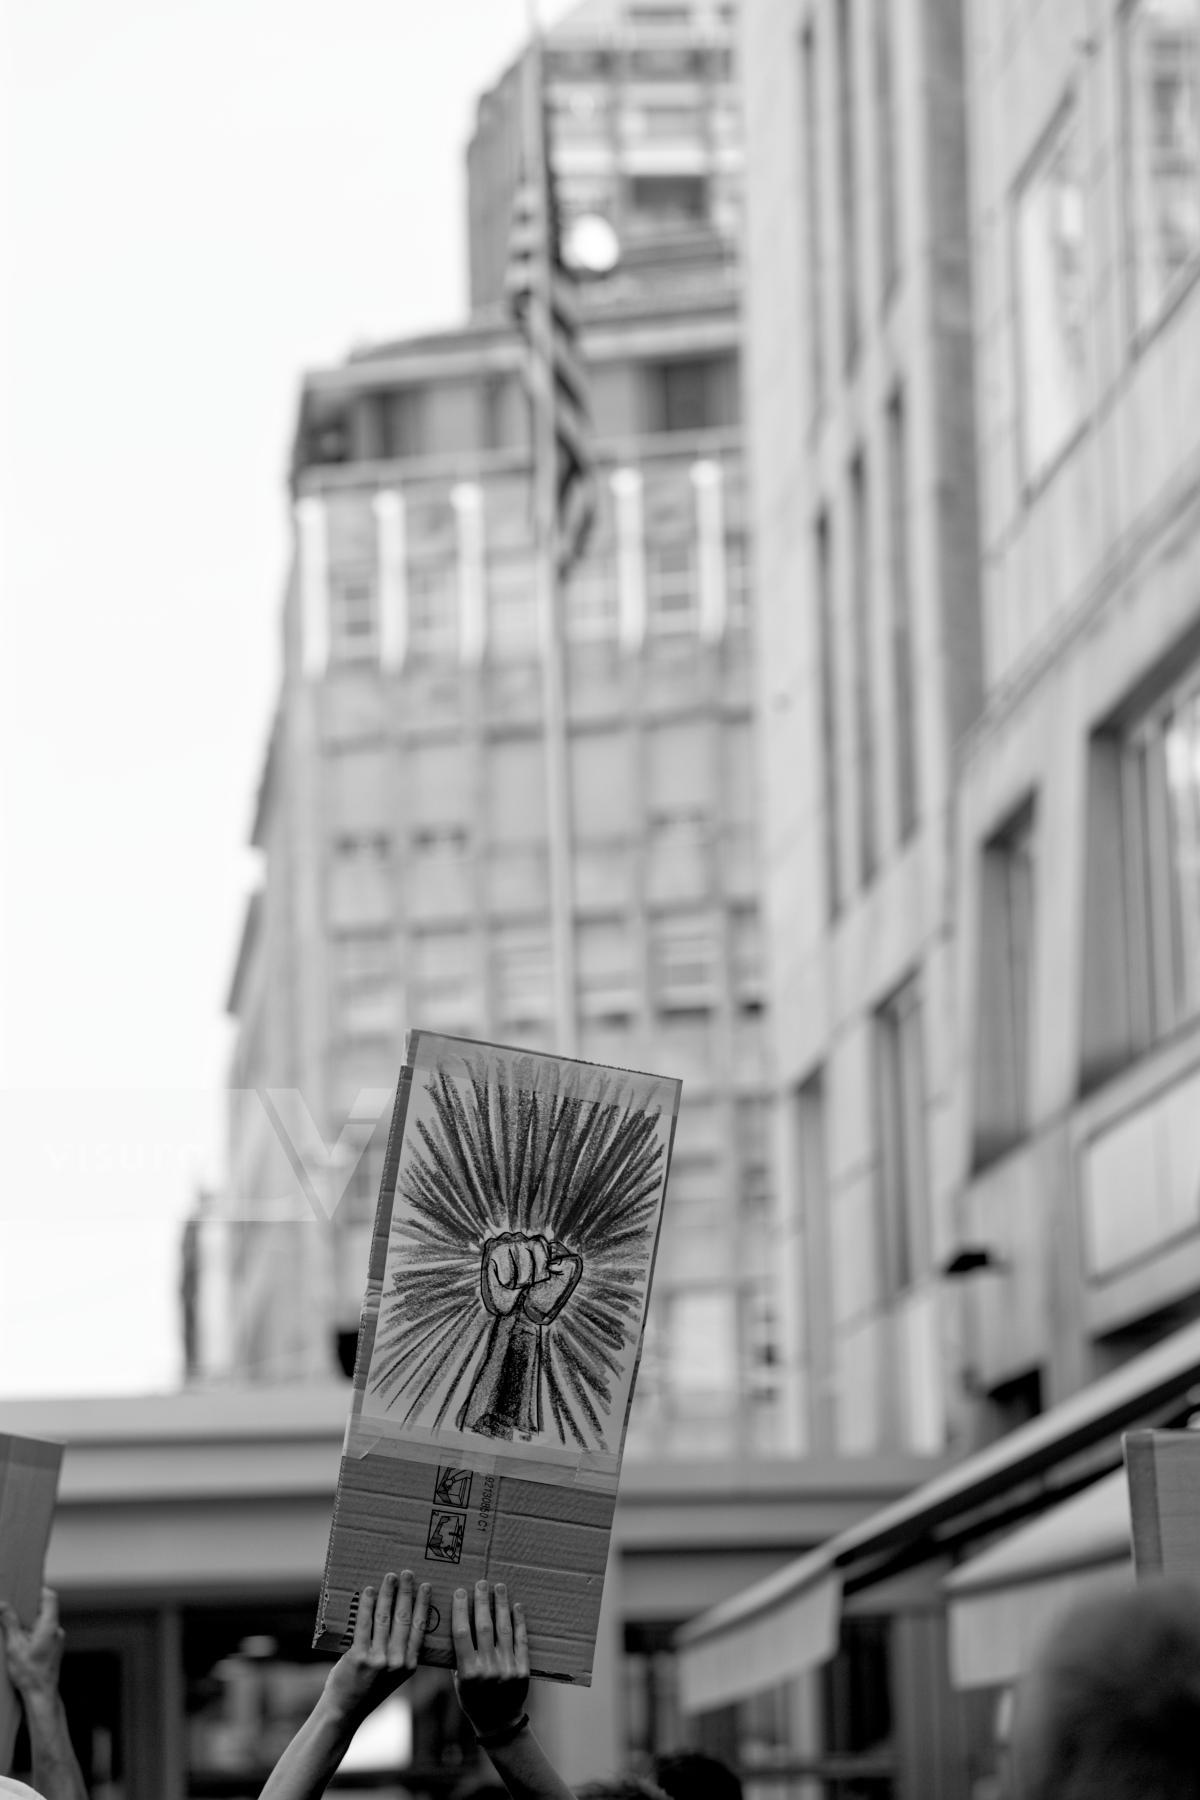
(201, 198)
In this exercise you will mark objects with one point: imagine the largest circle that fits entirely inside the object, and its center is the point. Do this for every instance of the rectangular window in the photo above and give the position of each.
(608, 986)
(847, 159)
(690, 394)
(1160, 798)
(1051, 297)
(671, 597)
(660, 202)
(888, 146)
(512, 608)
(1005, 987)
(433, 610)
(367, 985)
(826, 617)
(1162, 147)
(684, 956)
(353, 627)
(521, 969)
(900, 1113)
(860, 534)
(814, 219)
(590, 600)
(903, 647)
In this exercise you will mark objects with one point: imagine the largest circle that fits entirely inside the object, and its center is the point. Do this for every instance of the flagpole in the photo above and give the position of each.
(547, 584)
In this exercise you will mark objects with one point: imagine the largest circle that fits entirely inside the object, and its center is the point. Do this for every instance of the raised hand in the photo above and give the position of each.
(34, 1657)
(524, 1273)
(491, 1673)
(388, 1633)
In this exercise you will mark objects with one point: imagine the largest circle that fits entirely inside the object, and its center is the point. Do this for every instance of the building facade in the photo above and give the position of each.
(861, 438)
(402, 815)
(1061, 1146)
(1078, 1134)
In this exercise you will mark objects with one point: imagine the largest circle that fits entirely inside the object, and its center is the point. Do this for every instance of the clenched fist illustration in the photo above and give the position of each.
(530, 1275)
(524, 1281)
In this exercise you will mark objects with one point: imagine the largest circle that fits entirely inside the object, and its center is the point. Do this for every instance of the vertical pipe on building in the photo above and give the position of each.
(549, 589)
(313, 537)
(708, 484)
(391, 552)
(631, 560)
(467, 500)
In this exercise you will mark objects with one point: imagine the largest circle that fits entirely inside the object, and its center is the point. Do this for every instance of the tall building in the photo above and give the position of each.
(1049, 903)
(401, 813)
(862, 441)
(1078, 1136)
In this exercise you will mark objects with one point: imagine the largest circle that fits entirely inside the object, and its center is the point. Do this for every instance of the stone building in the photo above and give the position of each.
(401, 814)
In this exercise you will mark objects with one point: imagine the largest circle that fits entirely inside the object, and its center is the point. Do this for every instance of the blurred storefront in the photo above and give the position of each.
(187, 1552)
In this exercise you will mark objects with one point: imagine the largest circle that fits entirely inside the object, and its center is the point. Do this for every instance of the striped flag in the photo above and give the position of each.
(538, 279)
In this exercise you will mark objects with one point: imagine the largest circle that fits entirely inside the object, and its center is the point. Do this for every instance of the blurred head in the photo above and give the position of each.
(690, 1775)
(1111, 1708)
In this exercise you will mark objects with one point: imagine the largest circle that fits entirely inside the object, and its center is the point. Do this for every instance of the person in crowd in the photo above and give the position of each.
(691, 1775)
(1110, 1709)
(33, 1659)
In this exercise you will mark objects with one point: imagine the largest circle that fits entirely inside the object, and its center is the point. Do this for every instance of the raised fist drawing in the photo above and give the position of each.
(524, 1282)
(525, 1274)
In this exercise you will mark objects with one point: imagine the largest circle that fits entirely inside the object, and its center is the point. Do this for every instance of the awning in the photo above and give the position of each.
(1002, 1601)
(775, 1627)
(792, 1626)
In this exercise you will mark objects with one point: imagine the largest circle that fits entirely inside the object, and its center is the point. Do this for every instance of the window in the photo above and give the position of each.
(353, 635)
(1003, 1040)
(689, 394)
(658, 202)
(608, 988)
(737, 579)
(1160, 803)
(847, 150)
(665, 118)
(671, 587)
(521, 969)
(1162, 146)
(902, 624)
(366, 985)
(888, 145)
(360, 881)
(590, 600)
(433, 610)
(684, 954)
(900, 1113)
(864, 637)
(405, 426)
(1050, 294)
(512, 608)
(826, 616)
(446, 992)
(814, 218)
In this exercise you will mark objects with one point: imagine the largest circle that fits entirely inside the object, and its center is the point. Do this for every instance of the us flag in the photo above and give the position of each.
(542, 295)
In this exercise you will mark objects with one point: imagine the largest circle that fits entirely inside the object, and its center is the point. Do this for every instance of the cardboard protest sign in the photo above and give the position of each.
(28, 1489)
(510, 1268)
(1163, 1468)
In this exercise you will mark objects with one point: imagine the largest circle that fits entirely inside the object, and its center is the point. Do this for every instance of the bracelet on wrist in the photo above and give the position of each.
(504, 1734)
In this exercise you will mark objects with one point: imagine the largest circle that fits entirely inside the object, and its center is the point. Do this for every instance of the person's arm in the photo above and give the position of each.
(492, 1680)
(33, 1659)
(388, 1631)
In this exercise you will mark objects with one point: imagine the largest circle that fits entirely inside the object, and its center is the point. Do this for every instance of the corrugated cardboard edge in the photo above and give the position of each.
(1141, 1468)
(369, 1316)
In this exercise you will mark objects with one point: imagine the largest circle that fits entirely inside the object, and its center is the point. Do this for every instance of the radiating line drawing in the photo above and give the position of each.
(524, 1228)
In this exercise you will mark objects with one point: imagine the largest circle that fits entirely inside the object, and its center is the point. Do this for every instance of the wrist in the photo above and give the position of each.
(501, 1735)
(40, 1698)
(338, 1717)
